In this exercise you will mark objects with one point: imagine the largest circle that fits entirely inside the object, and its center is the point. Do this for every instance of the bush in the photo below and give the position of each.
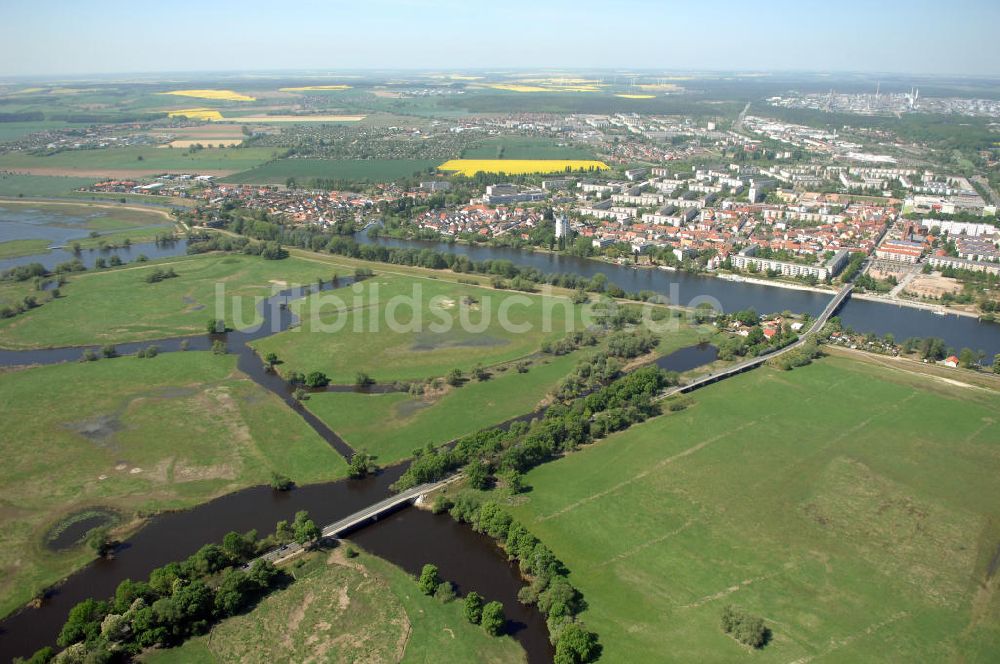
(745, 628)
(281, 482)
(445, 592)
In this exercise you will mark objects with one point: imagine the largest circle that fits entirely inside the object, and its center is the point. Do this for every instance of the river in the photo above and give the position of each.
(409, 538)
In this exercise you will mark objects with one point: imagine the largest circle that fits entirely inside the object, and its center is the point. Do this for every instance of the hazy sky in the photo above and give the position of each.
(915, 36)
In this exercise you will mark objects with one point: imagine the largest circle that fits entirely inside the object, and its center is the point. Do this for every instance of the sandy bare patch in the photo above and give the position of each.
(210, 142)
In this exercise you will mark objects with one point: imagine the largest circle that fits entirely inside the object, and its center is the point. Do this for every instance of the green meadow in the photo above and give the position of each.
(40, 185)
(854, 507)
(342, 609)
(133, 435)
(17, 248)
(118, 305)
(455, 326)
(355, 170)
(391, 426)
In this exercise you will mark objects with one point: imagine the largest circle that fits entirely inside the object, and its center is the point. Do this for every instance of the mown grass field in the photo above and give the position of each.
(358, 170)
(117, 305)
(413, 350)
(391, 426)
(133, 435)
(855, 507)
(121, 160)
(341, 609)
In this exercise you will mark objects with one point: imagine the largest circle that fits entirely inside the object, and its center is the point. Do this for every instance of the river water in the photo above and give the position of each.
(409, 538)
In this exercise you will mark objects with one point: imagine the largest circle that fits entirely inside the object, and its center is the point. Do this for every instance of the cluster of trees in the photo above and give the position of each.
(313, 379)
(38, 271)
(158, 275)
(491, 452)
(797, 358)
(549, 589)
(361, 465)
(490, 615)
(178, 601)
(569, 343)
(745, 628)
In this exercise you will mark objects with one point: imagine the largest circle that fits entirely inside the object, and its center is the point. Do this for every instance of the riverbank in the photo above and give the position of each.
(739, 278)
(933, 308)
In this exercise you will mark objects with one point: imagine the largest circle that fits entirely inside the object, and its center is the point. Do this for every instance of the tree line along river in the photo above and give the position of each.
(409, 538)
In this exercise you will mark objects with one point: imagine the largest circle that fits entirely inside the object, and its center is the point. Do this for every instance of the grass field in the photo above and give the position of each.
(130, 435)
(341, 609)
(367, 342)
(117, 305)
(16, 248)
(119, 160)
(303, 170)
(40, 185)
(391, 426)
(469, 167)
(855, 507)
(519, 147)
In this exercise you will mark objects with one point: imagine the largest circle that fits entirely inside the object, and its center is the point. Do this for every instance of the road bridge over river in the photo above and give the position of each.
(362, 516)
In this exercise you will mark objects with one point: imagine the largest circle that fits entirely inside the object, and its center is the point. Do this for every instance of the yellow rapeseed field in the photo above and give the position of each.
(625, 96)
(195, 114)
(306, 88)
(548, 85)
(224, 95)
(470, 167)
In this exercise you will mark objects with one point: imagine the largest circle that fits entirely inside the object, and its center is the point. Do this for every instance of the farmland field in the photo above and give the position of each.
(136, 160)
(417, 347)
(133, 434)
(859, 519)
(220, 95)
(358, 170)
(470, 167)
(10, 131)
(117, 305)
(391, 426)
(366, 598)
(516, 147)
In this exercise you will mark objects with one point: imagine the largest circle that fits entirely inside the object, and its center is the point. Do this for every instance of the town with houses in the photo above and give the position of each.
(799, 218)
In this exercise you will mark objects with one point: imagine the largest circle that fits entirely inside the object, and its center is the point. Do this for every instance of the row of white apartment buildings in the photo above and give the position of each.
(747, 259)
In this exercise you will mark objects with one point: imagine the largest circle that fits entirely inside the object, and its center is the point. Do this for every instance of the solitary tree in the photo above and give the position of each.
(996, 363)
(429, 579)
